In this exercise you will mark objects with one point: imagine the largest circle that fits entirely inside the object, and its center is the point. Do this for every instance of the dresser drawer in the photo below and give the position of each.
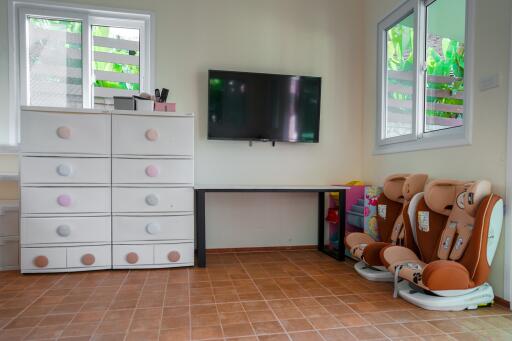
(43, 132)
(88, 256)
(152, 228)
(152, 171)
(177, 254)
(65, 200)
(132, 255)
(63, 170)
(43, 258)
(148, 200)
(149, 135)
(65, 230)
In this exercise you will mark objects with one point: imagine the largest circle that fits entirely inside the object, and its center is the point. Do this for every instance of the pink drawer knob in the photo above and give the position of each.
(41, 261)
(152, 171)
(64, 200)
(88, 259)
(132, 258)
(173, 256)
(152, 134)
(64, 132)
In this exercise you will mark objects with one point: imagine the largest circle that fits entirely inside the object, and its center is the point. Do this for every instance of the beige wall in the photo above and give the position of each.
(284, 36)
(486, 157)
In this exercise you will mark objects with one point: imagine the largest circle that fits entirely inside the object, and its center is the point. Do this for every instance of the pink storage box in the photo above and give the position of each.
(169, 107)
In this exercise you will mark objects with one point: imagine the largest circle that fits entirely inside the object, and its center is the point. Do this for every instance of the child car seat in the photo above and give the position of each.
(456, 229)
(398, 190)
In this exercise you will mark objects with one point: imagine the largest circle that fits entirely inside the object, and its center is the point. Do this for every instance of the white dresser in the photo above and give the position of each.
(152, 190)
(105, 190)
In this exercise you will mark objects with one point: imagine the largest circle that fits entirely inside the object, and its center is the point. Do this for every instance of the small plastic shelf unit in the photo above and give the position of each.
(360, 208)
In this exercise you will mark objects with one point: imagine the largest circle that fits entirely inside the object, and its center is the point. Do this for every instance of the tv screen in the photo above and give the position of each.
(259, 106)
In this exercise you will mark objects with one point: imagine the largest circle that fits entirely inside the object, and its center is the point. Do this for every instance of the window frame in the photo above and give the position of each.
(419, 139)
(89, 15)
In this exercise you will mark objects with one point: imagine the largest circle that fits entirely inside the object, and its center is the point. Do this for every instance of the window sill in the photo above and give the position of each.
(9, 149)
(421, 144)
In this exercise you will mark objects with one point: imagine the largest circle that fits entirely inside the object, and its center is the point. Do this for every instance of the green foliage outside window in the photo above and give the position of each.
(97, 31)
(446, 61)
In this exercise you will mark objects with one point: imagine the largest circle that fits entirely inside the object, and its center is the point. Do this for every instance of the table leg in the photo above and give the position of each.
(321, 224)
(341, 225)
(200, 228)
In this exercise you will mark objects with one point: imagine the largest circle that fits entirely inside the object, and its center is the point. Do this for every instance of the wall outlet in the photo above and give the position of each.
(489, 82)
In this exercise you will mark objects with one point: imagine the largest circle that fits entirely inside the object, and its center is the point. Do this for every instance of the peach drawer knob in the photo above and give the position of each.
(64, 170)
(64, 132)
(152, 199)
(63, 230)
(88, 259)
(132, 258)
(173, 256)
(153, 228)
(152, 134)
(41, 261)
(152, 171)
(64, 200)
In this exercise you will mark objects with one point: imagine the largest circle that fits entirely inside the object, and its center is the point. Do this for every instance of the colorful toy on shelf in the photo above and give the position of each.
(371, 194)
(360, 208)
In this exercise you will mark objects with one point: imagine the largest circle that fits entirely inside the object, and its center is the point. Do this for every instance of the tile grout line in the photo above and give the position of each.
(69, 323)
(108, 308)
(333, 294)
(265, 300)
(190, 305)
(127, 331)
(168, 275)
(38, 297)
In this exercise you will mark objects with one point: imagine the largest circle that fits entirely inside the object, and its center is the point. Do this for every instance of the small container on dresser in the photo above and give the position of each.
(152, 189)
(65, 181)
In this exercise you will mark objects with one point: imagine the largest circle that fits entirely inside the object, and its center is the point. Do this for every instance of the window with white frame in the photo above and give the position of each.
(423, 97)
(77, 57)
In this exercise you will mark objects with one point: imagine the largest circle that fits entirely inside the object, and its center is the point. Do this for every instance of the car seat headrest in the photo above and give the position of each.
(393, 187)
(440, 195)
(415, 183)
(475, 192)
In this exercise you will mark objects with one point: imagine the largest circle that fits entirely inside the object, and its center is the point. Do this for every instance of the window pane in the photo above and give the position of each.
(116, 63)
(54, 62)
(445, 64)
(400, 78)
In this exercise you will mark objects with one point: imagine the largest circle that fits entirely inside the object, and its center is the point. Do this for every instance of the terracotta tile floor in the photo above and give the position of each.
(245, 296)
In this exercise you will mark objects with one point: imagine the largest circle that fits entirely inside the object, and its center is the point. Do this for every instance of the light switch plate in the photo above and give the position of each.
(489, 82)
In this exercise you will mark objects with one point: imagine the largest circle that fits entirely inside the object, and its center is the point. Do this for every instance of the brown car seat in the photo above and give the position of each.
(398, 190)
(457, 227)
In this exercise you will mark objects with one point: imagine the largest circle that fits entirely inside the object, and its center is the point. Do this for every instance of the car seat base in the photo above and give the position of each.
(373, 274)
(481, 296)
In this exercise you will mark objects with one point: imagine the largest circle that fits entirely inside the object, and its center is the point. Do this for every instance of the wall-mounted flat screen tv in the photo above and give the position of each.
(263, 107)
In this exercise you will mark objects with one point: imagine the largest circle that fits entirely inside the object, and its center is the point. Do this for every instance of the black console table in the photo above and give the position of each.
(200, 196)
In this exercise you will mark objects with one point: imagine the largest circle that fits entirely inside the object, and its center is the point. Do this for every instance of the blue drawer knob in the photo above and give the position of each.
(153, 228)
(152, 199)
(63, 230)
(64, 170)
